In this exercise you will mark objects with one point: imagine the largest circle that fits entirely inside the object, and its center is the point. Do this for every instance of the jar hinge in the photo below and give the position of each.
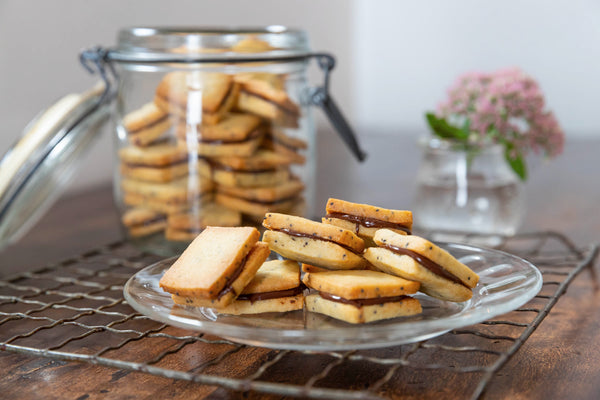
(96, 61)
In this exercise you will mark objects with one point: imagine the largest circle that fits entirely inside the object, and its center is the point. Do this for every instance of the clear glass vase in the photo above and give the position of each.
(462, 191)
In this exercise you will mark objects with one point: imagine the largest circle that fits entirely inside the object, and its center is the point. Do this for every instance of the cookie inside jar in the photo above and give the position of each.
(212, 144)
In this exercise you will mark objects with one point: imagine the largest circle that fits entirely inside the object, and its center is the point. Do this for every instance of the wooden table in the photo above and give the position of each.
(560, 360)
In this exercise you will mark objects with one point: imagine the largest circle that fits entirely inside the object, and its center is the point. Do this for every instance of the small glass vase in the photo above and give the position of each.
(461, 192)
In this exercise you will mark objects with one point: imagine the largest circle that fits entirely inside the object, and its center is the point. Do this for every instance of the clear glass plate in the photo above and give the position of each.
(506, 282)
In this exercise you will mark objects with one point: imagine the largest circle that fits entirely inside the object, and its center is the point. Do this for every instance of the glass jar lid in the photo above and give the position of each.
(209, 44)
(37, 168)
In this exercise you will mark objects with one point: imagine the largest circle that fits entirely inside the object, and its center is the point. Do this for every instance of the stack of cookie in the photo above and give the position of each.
(347, 278)
(362, 263)
(211, 148)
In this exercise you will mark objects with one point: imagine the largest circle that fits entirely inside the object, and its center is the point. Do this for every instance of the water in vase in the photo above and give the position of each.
(475, 205)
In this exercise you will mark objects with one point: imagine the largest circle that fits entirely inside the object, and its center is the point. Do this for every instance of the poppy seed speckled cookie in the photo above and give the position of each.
(412, 257)
(311, 242)
(365, 219)
(216, 267)
(360, 296)
(276, 287)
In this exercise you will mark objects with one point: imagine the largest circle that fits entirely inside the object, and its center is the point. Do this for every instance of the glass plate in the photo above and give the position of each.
(506, 282)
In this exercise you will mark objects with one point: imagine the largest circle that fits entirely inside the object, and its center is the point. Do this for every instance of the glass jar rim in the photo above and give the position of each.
(209, 44)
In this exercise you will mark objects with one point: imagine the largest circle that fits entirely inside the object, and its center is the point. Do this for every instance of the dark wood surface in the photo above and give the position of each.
(560, 360)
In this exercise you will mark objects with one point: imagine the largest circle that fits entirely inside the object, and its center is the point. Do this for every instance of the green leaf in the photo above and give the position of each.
(516, 163)
(466, 128)
(443, 129)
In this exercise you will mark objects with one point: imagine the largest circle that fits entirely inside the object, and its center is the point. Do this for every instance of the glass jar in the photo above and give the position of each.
(461, 191)
(213, 127)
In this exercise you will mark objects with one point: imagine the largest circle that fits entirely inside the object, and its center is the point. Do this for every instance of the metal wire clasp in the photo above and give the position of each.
(319, 96)
(96, 61)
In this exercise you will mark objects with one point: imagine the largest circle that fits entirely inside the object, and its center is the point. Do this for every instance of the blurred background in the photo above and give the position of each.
(395, 58)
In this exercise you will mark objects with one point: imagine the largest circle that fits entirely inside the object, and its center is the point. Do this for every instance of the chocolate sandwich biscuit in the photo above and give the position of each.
(311, 242)
(141, 221)
(197, 97)
(264, 94)
(365, 219)
(261, 159)
(255, 208)
(292, 147)
(411, 257)
(276, 287)
(175, 196)
(157, 163)
(289, 189)
(247, 178)
(360, 296)
(235, 135)
(185, 226)
(216, 267)
(146, 125)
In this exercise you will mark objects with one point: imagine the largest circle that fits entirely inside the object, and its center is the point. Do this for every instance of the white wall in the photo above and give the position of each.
(409, 52)
(395, 58)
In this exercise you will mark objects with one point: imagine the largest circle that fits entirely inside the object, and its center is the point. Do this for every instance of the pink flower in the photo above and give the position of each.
(504, 106)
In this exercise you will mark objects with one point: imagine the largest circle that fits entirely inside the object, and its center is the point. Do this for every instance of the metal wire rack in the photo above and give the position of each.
(75, 311)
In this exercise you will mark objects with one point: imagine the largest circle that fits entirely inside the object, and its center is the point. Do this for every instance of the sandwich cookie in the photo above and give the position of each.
(186, 226)
(289, 146)
(146, 124)
(246, 178)
(261, 159)
(365, 220)
(235, 135)
(258, 201)
(169, 197)
(411, 257)
(311, 242)
(275, 288)
(143, 221)
(264, 94)
(215, 267)
(360, 296)
(197, 97)
(158, 163)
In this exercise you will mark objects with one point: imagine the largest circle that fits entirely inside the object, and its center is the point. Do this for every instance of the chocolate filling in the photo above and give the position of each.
(271, 295)
(362, 302)
(288, 110)
(150, 125)
(227, 287)
(368, 222)
(425, 262)
(314, 236)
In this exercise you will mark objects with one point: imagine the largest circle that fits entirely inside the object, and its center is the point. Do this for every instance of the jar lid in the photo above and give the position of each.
(36, 169)
(208, 44)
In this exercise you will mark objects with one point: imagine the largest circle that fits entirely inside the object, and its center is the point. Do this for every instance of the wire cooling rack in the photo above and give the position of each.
(75, 311)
